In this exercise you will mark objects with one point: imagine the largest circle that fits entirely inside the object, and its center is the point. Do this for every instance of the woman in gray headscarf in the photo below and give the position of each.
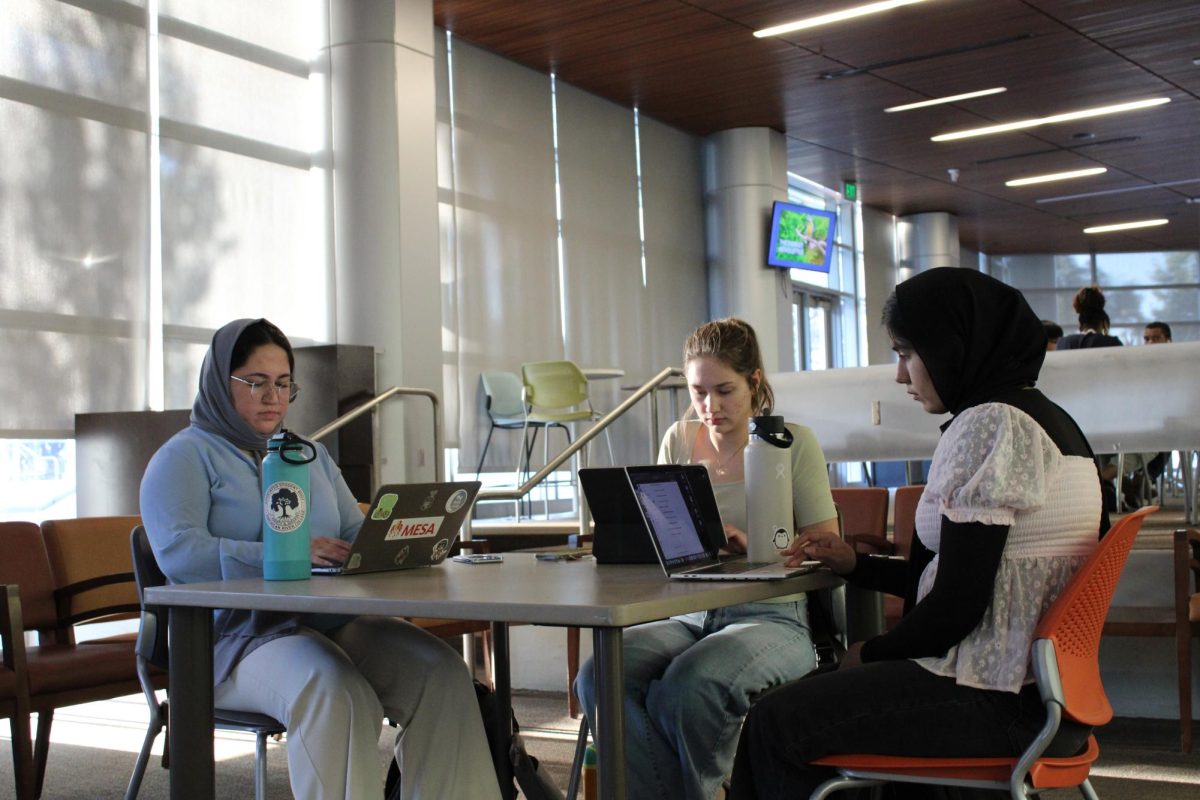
(329, 679)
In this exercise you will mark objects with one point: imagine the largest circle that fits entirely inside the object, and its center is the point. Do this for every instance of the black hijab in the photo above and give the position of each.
(977, 336)
(213, 410)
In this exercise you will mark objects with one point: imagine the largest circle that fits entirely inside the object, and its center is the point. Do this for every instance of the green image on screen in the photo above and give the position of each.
(803, 238)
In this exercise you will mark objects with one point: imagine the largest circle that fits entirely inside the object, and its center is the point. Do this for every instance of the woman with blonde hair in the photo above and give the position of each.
(689, 679)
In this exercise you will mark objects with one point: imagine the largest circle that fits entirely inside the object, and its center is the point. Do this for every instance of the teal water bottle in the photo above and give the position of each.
(286, 549)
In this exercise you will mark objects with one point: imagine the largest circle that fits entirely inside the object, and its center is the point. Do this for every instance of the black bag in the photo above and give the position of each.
(533, 784)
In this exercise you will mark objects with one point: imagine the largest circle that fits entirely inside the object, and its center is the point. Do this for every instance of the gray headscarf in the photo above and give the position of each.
(213, 410)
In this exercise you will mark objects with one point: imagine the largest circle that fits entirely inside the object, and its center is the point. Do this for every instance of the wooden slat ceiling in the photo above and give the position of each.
(694, 64)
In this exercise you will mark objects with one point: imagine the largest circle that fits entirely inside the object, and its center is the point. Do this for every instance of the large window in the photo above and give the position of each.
(1139, 288)
(158, 180)
(825, 306)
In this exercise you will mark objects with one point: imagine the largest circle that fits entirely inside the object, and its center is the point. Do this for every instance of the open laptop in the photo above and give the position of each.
(676, 511)
(408, 525)
(619, 535)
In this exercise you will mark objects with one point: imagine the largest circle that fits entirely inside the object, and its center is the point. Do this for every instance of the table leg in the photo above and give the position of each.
(610, 711)
(193, 774)
(502, 722)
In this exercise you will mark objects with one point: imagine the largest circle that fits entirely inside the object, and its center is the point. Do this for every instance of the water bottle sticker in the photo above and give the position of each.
(440, 550)
(401, 556)
(383, 509)
(355, 561)
(413, 528)
(427, 503)
(781, 539)
(456, 501)
(779, 468)
(285, 506)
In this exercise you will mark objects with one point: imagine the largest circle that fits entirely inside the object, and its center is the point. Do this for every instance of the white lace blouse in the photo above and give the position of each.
(997, 466)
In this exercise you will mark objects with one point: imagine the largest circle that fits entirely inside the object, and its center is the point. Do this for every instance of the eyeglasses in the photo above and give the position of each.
(288, 389)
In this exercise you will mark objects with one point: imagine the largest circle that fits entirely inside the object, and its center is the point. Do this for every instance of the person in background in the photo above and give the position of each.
(689, 680)
(330, 680)
(1093, 332)
(1133, 486)
(1010, 512)
(1093, 322)
(1054, 332)
(1156, 333)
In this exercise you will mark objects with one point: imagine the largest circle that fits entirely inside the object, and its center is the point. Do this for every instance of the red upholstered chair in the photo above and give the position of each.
(14, 694)
(863, 510)
(58, 672)
(1066, 666)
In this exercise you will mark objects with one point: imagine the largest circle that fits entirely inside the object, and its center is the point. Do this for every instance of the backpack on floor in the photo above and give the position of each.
(533, 784)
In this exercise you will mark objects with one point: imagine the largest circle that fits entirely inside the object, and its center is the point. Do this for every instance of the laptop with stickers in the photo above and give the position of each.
(408, 525)
(677, 511)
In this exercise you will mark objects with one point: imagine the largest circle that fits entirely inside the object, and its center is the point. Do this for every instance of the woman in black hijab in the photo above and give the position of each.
(1011, 509)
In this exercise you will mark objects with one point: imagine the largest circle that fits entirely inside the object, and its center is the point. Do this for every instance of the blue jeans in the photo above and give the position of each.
(689, 681)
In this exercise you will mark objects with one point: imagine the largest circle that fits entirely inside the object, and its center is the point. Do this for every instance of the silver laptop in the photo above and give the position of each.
(619, 535)
(676, 510)
(408, 525)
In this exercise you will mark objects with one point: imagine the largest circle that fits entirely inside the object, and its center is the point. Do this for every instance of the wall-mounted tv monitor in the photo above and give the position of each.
(801, 237)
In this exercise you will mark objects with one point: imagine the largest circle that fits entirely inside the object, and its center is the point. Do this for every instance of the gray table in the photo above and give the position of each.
(522, 589)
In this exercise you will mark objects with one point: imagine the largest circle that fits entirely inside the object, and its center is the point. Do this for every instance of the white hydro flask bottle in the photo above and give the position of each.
(768, 470)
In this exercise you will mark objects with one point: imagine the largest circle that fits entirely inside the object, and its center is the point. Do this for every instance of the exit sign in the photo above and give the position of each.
(850, 190)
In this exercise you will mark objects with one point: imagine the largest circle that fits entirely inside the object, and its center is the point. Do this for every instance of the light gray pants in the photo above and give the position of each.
(332, 693)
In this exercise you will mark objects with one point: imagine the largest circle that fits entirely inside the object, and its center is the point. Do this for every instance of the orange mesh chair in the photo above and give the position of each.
(1066, 666)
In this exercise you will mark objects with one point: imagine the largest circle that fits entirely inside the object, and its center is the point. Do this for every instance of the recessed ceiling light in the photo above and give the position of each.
(954, 98)
(1056, 176)
(1036, 121)
(1124, 226)
(834, 16)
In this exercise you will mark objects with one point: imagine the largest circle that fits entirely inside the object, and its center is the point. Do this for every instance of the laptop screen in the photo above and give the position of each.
(666, 498)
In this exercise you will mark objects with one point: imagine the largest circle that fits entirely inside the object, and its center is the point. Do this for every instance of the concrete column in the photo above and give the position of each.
(745, 172)
(879, 274)
(385, 220)
(925, 241)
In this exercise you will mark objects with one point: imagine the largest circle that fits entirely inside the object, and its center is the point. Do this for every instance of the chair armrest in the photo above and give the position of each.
(12, 630)
(63, 596)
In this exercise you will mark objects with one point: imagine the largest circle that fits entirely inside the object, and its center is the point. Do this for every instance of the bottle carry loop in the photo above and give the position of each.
(293, 443)
(770, 429)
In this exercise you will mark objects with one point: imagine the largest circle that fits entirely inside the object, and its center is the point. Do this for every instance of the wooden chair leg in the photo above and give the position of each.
(1183, 657)
(22, 755)
(41, 749)
(572, 671)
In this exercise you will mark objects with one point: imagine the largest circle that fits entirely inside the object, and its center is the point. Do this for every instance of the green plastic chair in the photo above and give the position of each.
(556, 393)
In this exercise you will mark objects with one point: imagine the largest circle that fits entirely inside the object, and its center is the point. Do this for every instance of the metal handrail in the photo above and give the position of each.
(374, 403)
(518, 493)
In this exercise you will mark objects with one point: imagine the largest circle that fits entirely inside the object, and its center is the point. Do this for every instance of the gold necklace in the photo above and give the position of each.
(723, 466)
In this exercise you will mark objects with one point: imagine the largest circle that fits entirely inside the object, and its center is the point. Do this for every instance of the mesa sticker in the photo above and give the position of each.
(456, 501)
(413, 528)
